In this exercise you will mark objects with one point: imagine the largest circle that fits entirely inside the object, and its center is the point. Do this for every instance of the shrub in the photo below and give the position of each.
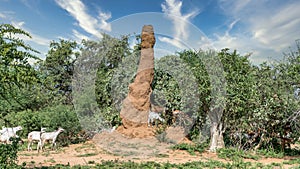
(51, 117)
(8, 153)
(61, 116)
(190, 148)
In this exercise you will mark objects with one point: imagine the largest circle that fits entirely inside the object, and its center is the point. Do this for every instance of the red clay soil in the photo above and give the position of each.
(136, 105)
(115, 146)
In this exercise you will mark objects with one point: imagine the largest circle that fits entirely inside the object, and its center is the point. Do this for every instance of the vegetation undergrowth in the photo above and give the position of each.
(190, 148)
(8, 157)
(234, 154)
(116, 164)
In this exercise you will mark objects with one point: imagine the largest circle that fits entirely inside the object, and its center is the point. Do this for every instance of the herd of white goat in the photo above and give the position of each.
(35, 136)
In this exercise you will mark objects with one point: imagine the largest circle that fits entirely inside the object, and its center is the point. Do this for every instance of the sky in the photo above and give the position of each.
(263, 28)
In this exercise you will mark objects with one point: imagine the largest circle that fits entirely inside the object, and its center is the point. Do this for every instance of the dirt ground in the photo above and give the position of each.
(115, 146)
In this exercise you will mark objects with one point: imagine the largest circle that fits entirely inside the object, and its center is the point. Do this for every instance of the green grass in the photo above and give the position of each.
(235, 158)
(271, 153)
(190, 148)
(87, 155)
(236, 164)
(162, 155)
(50, 160)
(235, 154)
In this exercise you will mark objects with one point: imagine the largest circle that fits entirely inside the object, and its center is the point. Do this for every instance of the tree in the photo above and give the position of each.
(57, 70)
(173, 87)
(95, 83)
(17, 75)
(208, 71)
(226, 86)
(278, 114)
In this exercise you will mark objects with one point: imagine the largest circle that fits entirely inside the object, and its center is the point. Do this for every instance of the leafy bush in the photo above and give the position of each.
(191, 148)
(235, 154)
(271, 153)
(65, 117)
(28, 119)
(51, 118)
(9, 155)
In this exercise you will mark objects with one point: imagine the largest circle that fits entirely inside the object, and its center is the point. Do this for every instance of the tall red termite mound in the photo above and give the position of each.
(134, 112)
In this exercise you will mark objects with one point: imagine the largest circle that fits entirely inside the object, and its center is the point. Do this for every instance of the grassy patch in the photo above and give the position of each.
(162, 155)
(271, 153)
(196, 164)
(87, 155)
(91, 162)
(50, 160)
(235, 154)
(190, 148)
(28, 154)
(292, 161)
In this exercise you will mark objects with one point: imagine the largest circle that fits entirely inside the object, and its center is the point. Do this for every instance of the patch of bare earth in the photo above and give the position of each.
(116, 146)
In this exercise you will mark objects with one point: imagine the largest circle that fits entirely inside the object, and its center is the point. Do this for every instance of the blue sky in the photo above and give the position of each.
(265, 28)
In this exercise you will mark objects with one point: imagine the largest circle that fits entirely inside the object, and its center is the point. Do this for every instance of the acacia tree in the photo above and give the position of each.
(17, 76)
(241, 95)
(209, 73)
(94, 81)
(279, 111)
(227, 92)
(57, 70)
(293, 75)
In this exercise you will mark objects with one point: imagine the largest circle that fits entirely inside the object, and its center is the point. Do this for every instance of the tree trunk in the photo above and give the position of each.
(216, 139)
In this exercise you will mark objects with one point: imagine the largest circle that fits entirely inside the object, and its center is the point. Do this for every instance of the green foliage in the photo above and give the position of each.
(241, 96)
(259, 103)
(271, 153)
(116, 51)
(292, 161)
(8, 158)
(28, 119)
(206, 70)
(17, 76)
(116, 164)
(165, 89)
(235, 154)
(191, 148)
(57, 70)
(239, 90)
(62, 116)
(95, 70)
(51, 117)
(173, 87)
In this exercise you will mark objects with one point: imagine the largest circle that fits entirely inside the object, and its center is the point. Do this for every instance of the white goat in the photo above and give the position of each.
(35, 136)
(50, 136)
(154, 116)
(7, 133)
(109, 130)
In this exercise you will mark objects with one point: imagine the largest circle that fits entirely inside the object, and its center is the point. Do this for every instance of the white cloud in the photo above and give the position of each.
(36, 42)
(133, 42)
(174, 41)
(278, 29)
(35, 38)
(2, 15)
(234, 6)
(78, 36)
(28, 4)
(172, 9)
(263, 27)
(88, 23)
(102, 19)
